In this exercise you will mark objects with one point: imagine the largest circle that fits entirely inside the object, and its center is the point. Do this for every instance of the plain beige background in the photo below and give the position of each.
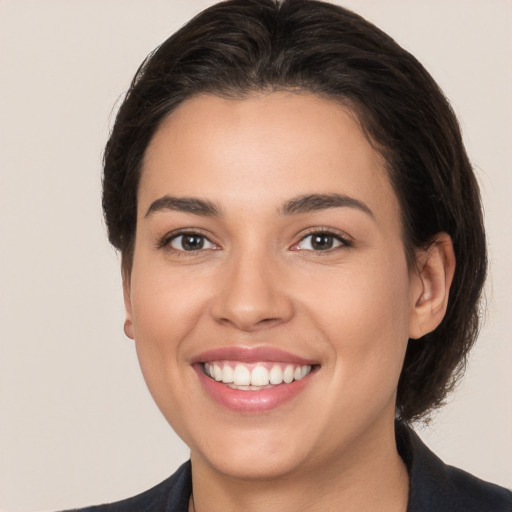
(77, 423)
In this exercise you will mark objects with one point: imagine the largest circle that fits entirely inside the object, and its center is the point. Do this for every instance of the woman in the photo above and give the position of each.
(303, 256)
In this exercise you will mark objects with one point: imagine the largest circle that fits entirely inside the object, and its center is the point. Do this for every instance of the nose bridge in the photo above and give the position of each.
(250, 295)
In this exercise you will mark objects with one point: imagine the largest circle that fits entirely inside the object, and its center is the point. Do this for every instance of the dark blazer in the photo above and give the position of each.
(434, 486)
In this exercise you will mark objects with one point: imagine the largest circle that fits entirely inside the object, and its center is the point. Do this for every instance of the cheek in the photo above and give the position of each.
(364, 315)
(166, 306)
(166, 302)
(165, 310)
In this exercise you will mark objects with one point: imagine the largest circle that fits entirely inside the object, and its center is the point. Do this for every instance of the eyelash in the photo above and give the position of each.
(166, 241)
(344, 241)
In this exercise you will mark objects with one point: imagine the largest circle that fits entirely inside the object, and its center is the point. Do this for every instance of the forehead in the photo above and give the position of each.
(261, 149)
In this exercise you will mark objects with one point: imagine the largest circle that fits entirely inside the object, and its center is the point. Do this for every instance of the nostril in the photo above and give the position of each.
(249, 324)
(249, 298)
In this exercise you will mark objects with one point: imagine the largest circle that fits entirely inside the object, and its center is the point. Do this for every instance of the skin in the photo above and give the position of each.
(258, 282)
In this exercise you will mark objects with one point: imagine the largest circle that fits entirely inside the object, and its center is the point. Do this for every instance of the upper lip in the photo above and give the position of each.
(250, 355)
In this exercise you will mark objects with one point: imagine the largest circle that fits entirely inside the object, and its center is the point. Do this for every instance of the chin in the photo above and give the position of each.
(254, 468)
(253, 455)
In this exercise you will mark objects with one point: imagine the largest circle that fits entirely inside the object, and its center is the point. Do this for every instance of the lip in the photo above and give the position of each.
(254, 401)
(259, 401)
(251, 355)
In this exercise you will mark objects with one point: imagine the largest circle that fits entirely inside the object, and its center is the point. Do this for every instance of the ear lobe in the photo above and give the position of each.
(436, 266)
(128, 323)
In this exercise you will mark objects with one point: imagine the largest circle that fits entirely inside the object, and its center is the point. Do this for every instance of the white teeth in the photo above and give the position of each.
(242, 376)
(228, 375)
(259, 376)
(276, 375)
(288, 374)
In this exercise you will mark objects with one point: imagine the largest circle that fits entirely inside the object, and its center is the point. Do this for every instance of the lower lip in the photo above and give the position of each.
(251, 401)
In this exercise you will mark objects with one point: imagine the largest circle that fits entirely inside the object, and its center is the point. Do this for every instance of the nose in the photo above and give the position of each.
(252, 294)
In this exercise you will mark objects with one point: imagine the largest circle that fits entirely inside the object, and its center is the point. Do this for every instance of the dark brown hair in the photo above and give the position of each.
(240, 46)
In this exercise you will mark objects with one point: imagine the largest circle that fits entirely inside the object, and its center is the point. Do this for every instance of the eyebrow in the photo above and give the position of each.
(301, 204)
(184, 204)
(313, 202)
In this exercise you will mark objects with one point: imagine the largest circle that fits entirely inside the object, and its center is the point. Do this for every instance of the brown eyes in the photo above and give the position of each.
(320, 242)
(190, 242)
(317, 241)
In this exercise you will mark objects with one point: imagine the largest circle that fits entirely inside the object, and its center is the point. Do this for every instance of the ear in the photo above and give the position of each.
(431, 287)
(128, 323)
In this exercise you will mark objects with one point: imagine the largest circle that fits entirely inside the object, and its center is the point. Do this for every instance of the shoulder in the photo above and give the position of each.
(480, 494)
(436, 486)
(172, 494)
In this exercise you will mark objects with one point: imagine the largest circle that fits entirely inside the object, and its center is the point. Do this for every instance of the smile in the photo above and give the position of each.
(255, 376)
(253, 380)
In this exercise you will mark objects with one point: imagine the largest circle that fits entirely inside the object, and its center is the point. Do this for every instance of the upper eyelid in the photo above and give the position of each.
(164, 240)
(206, 240)
(337, 233)
(342, 235)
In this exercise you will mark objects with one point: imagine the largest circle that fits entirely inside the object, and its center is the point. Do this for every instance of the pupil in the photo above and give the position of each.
(322, 241)
(192, 242)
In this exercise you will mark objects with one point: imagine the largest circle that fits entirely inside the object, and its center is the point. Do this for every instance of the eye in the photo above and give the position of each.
(190, 242)
(320, 241)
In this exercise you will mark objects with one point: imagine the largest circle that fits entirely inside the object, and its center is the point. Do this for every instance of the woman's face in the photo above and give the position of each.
(269, 255)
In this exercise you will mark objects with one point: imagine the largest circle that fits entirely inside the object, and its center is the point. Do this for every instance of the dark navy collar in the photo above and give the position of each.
(437, 487)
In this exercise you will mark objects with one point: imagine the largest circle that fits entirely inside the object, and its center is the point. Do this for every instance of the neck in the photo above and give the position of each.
(369, 476)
